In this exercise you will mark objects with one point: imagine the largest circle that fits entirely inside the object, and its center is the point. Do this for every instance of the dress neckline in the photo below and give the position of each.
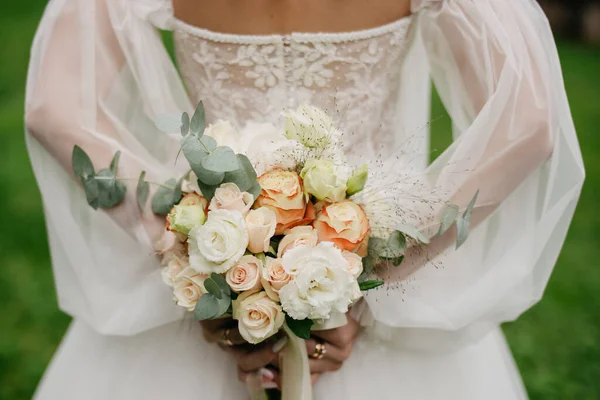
(327, 37)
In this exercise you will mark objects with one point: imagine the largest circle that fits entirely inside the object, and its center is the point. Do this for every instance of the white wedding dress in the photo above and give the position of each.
(99, 75)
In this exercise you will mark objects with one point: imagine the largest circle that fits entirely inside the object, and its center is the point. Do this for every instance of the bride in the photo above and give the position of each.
(99, 75)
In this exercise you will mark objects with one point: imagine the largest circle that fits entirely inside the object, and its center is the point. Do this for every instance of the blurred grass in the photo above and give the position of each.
(556, 344)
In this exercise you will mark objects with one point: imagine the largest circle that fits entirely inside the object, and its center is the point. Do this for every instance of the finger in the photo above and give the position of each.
(221, 334)
(264, 378)
(254, 358)
(332, 352)
(339, 336)
(314, 378)
(323, 365)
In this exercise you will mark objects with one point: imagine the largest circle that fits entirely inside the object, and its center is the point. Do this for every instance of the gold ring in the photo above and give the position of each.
(225, 340)
(320, 351)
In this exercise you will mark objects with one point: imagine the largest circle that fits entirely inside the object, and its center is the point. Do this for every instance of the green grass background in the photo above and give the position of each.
(556, 343)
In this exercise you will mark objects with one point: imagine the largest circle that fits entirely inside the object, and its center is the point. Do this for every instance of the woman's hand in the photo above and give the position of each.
(337, 344)
(252, 360)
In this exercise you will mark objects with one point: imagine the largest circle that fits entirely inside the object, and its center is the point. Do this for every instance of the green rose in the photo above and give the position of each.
(321, 181)
(190, 212)
(357, 180)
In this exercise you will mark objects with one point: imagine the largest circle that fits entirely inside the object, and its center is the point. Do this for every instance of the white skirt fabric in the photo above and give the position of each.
(174, 362)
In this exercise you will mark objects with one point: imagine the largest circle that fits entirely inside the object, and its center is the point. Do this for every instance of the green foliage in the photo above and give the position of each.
(301, 328)
(166, 197)
(449, 215)
(216, 302)
(142, 191)
(198, 123)
(368, 285)
(81, 163)
(463, 223)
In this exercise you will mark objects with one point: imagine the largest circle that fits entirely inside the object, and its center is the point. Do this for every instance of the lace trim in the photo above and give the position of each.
(300, 37)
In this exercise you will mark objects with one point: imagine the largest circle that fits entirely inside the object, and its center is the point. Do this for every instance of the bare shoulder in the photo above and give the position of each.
(284, 16)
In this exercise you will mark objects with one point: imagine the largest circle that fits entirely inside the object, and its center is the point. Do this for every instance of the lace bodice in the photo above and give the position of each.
(354, 76)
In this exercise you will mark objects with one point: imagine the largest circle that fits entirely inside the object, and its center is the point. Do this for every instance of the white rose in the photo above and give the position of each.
(261, 224)
(188, 287)
(229, 197)
(321, 282)
(224, 134)
(310, 126)
(267, 148)
(355, 265)
(245, 274)
(259, 317)
(218, 244)
(174, 267)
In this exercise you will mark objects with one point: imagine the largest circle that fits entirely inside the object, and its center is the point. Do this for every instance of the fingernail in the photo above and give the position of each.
(267, 378)
(280, 344)
(266, 374)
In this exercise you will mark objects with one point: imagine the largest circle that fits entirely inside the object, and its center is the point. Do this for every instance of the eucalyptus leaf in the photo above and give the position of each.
(369, 264)
(222, 283)
(114, 164)
(245, 176)
(110, 190)
(195, 149)
(198, 122)
(166, 197)
(185, 124)
(368, 285)
(212, 288)
(221, 159)
(301, 328)
(463, 223)
(90, 185)
(413, 232)
(396, 245)
(81, 163)
(376, 246)
(208, 177)
(208, 191)
(224, 305)
(168, 123)
(255, 190)
(207, 307)
(449, 215)
(142, 191)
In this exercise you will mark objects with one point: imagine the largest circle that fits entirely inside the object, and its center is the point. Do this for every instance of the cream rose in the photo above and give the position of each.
(259, 317)
(274, 277)
(190, 212)
(261, 224)
(245, 274)
(309, 125)
(297, 236)
(218, 244)
(345, 224)
(283, 193)
(174, 267)
(224, 134)
(188, 287)
(322, 180)
(321, 283)
(229, 197)
(355, 265)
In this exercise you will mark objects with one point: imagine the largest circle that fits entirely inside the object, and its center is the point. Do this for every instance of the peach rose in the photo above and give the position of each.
(261, 224)
(188, 287)
(229, 197)
(245, 274)
(355, 265)
(297, 236)
(283, 193)
(274, 277)
(345, 224)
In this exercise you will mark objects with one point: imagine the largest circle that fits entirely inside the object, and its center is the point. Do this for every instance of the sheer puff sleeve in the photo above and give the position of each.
(98, 76)
(495, 66)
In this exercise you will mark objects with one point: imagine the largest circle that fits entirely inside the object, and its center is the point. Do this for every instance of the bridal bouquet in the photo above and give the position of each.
(269, 225)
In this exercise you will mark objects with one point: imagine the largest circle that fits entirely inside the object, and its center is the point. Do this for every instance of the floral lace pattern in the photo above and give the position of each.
(354, 76)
